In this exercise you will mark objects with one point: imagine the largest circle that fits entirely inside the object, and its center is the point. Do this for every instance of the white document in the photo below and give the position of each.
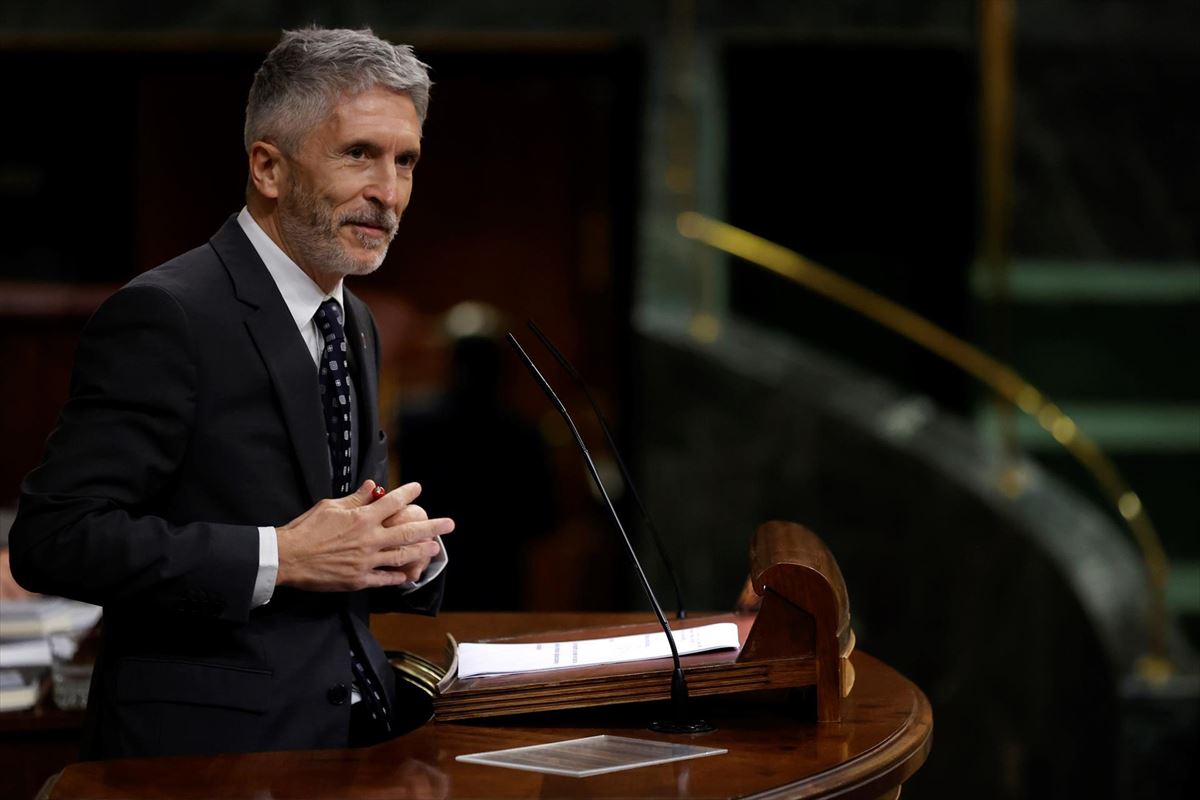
(476, 658)
(42, 616)
(30, 653)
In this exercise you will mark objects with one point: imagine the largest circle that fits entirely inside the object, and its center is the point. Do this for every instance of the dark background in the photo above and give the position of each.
(849, 132)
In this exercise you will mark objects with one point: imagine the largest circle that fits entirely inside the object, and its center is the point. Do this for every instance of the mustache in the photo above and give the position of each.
(375, 217)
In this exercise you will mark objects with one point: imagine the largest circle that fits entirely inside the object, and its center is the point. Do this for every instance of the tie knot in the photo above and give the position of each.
(329, 318)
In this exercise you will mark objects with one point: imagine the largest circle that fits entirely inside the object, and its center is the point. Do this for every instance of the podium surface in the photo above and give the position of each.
(883, 737)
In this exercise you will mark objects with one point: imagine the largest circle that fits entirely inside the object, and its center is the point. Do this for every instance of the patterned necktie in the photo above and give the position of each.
(335, 393)
(371, 698)
(335, 400)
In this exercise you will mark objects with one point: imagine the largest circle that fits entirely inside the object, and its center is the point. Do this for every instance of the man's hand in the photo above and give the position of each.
(358, 542)
(410, 513)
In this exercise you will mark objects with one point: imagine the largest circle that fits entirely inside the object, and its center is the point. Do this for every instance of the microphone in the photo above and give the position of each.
(578, 379)
(679, 693)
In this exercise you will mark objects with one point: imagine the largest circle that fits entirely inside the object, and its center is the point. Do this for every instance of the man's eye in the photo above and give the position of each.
(356, 152)
(406, 161)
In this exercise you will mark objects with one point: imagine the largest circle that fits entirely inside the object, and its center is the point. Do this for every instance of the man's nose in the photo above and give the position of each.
(384, 186)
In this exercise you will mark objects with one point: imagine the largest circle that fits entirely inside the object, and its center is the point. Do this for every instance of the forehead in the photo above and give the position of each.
(376, 113)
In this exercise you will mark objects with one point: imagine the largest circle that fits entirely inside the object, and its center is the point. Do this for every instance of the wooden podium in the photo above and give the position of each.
(861, 744)
(795, 633)
(883, 738)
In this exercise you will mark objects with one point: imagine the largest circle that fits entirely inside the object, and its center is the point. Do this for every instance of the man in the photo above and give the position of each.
(201, 482)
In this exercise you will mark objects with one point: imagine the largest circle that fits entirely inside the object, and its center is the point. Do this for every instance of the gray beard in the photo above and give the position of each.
(308, 224)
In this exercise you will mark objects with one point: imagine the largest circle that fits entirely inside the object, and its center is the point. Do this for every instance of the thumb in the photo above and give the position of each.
(362, 497)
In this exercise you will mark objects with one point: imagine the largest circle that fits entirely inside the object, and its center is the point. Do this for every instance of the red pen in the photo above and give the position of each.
(377, 493)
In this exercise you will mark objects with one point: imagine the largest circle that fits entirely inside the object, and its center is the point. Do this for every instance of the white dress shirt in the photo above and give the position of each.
(303, 297)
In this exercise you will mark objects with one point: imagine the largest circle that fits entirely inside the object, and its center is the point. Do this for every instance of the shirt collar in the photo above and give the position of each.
(301, 294)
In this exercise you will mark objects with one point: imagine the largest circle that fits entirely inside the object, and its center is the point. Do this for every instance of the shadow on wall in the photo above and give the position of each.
(1021, 618)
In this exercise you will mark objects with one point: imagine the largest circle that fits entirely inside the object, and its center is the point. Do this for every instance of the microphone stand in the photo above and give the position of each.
(679, 693)
(680, 613)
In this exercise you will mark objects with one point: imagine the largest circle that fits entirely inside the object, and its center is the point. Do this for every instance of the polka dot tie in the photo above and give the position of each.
(371, 696)
(335, 393)
(334, 374)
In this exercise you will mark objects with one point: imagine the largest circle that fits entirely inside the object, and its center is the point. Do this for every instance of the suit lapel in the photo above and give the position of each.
(290, 367)
(360, 336)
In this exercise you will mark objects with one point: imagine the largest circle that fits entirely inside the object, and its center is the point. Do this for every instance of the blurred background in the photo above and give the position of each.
(1025, 175)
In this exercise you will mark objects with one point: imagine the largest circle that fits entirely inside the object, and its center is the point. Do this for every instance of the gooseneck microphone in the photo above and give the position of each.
(679, 693)
(680, 612)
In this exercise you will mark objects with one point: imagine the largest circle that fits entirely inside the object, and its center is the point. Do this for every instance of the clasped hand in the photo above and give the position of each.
(358, 542)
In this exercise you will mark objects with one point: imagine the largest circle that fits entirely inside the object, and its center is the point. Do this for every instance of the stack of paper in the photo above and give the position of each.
(495, 658)
(33, 633)
(42, 616)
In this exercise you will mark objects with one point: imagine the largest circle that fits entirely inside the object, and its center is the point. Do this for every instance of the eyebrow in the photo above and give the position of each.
(374, 148)
(360, 144)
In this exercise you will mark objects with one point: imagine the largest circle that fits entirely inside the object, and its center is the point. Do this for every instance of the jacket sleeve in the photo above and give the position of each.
(427, 600)
(87, 526)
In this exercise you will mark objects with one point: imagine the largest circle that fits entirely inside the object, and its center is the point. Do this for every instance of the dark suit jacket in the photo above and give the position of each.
(194, 417)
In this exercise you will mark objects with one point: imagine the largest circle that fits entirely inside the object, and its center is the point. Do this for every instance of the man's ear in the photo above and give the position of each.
(268, 169)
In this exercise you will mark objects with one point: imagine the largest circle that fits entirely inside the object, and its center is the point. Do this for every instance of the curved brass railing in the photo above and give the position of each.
(999, 377)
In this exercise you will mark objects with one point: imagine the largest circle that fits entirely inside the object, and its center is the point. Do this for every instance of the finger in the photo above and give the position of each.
(386, 577)
(361, 497)
(395, 500)
(417, 569)
(410, 513)
(402, 558)
(399, 536)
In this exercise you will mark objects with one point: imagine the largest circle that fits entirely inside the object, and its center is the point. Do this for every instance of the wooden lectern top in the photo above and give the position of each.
(795, 632)
(883, 738)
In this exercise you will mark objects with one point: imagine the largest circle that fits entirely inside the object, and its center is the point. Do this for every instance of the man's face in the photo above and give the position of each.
(349, 183)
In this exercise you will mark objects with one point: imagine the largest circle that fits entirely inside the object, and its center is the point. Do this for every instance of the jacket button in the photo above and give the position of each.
(338, 695)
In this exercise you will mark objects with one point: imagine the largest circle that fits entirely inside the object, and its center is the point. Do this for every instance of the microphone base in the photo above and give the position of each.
(681, 726)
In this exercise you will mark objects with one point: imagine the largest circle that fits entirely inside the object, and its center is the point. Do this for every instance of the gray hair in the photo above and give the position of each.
(303, 76)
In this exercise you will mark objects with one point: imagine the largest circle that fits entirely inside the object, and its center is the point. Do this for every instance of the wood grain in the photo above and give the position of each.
(884, 737)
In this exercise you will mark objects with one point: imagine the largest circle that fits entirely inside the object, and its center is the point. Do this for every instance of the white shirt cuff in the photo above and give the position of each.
(268, 567)
(436, 565)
